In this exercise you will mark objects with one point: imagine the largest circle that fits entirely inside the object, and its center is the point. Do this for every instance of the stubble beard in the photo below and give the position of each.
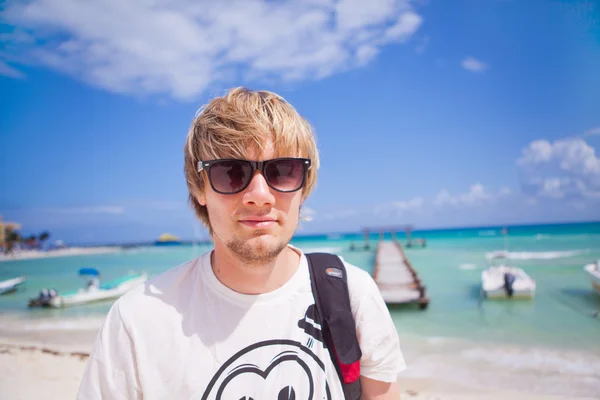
(255, 252)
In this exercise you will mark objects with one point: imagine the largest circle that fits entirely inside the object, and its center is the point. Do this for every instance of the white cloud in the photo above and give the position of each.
(505, 191)
(476, 195)
(9, 71)
(129, 207)
(444, 197)
(563, 168)
(307, 213)
(477, 204)
(340, 214)
(474, 65)
(592, 132)
(405, 26)
(412, 204)
(366, 53)
(181, 48)
(153, 205)
(554, 187)
(92, 210)
(570, 155)
(399, 207)
(354, 14)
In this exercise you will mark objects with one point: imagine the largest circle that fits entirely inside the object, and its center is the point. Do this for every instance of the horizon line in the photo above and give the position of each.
(360, 232)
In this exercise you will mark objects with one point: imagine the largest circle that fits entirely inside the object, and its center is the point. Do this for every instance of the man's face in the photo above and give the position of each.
(255, 224)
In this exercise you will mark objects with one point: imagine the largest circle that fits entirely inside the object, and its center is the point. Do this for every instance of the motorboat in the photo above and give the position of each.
(10, 285)
(91, 293)
(503, 281)
(497, 255)
(593, 269)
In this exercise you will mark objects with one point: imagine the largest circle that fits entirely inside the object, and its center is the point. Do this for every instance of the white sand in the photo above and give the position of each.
(70, 251)
(39, 371)
(29, 373)
(45, 358)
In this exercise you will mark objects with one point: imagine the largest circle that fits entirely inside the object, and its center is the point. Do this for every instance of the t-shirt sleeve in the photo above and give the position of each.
(111, 371)
(382, 358)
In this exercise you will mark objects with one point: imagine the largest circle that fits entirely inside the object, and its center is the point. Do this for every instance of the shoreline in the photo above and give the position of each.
(57, 373)
(70, 251)
(53, 352)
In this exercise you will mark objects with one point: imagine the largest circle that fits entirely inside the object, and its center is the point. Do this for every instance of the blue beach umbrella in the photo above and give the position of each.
(89, 272)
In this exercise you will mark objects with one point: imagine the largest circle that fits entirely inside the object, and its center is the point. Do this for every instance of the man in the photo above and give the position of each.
(235, 323)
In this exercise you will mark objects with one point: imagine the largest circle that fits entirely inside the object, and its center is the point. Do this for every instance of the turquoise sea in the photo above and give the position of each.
(550, 344)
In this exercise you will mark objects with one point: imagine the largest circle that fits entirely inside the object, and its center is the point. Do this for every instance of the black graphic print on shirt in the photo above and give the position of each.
(272, 369)
(309, 324)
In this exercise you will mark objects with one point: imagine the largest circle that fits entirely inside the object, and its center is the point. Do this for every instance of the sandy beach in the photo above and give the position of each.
(50, 365)
(70, 251)
(53, 372)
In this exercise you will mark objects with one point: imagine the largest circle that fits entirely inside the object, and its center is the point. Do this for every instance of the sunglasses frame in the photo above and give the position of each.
(256, 166)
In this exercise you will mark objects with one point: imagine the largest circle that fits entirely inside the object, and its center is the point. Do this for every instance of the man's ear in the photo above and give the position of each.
(201, 198)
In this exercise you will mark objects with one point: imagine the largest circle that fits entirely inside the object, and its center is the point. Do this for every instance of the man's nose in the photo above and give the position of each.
(258, 192)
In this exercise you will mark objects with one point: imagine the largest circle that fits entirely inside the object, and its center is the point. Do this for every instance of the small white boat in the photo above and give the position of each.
(93, 292)
(10, 285)
(497, 255)
(594, 270)
(507, 282)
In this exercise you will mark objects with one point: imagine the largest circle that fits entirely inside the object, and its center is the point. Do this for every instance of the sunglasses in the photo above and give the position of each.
(230, 176)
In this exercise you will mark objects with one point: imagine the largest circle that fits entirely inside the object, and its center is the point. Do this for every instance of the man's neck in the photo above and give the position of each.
(254, 279)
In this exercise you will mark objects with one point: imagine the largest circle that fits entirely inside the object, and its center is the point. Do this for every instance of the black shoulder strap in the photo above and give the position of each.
(330, 288)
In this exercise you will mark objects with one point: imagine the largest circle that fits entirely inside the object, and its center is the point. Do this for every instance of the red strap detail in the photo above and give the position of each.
(350, 372)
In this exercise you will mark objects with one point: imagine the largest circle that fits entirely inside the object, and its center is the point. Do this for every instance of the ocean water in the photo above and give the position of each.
(550, 344)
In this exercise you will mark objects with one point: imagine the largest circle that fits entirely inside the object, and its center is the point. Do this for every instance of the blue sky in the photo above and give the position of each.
(434, 113)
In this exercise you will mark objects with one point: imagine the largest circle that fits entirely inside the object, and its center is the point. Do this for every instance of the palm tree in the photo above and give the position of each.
(30, 240)
(43, 237)
(12, 238)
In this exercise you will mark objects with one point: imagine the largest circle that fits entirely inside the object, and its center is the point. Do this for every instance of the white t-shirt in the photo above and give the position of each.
(185, 335)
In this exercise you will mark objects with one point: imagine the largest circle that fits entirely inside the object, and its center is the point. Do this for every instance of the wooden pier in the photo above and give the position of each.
(408, 230)
(395, 276)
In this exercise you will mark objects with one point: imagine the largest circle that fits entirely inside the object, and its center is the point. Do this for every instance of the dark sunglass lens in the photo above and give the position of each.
(285, 175)
(230, 176)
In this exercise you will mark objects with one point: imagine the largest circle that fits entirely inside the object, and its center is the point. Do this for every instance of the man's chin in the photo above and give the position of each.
(259, 233)
(264, 242)
(258, 249)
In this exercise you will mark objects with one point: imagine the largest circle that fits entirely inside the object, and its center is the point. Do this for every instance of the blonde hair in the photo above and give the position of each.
(240, 123)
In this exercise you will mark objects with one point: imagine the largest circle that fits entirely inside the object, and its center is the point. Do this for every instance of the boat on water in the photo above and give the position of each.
(503, 281)
(91, 293)
(497, 255)
(593, 269)
(10, 285)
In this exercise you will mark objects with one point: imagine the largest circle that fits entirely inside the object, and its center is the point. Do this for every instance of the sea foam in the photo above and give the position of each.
(334, 250)
(548, 361)
(504, 367)
(535, 255)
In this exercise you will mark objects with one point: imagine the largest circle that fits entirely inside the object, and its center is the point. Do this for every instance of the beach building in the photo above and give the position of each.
(5, 229)
(167, 239)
